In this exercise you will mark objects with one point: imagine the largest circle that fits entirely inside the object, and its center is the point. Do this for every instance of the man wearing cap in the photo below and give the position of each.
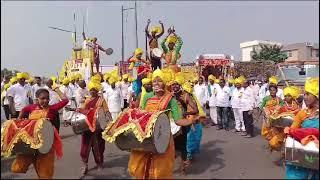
(237, 95)
(82, 93)
(19, 95)
(247, 102)
(201, 92)
(223, 95)
(212, 99)
(114, 98)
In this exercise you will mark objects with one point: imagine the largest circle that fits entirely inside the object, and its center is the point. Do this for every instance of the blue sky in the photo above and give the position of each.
(27, 44)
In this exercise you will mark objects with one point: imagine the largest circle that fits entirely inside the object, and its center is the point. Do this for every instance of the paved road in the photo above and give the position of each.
(223, 155)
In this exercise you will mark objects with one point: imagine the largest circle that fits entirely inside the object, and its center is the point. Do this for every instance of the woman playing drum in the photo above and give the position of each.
(93, 138)
(306, 118)
(290, 107)
(269, 104)
(43, 163)
(143, 165)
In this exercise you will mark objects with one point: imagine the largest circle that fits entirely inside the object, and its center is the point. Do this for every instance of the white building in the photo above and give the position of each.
(247, 48)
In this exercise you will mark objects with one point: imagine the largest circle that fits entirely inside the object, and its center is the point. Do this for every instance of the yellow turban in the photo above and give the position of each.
(187, 87)
(125, 76)
(211, 77)
(138, 51)
(149, 75)
(66, 81)
(6, 86)
(242, 79)
(130, 79)
(312, 86)
(231, 81)
(94, 85)
(293, 91)
(106, 76)
(217, 81)
(78, 76)
(146, 81)
(13, 79)
(238, 81)
(156, 29)
(179, 79)
(53, 78)
(172, 39)
(96, 78)
(158, 73)
(273, 80)
(22, 75)
(112, 80)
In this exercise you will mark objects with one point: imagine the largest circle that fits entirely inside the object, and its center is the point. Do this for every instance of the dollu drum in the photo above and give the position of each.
(157, 143)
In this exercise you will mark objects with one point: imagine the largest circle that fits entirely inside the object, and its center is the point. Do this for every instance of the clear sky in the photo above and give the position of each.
(27, 44)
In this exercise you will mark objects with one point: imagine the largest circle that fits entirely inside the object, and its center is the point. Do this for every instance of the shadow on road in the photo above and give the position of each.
(209, 156)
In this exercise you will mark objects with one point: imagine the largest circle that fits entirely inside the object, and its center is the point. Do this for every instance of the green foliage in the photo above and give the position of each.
(269, 53)
(7, 72)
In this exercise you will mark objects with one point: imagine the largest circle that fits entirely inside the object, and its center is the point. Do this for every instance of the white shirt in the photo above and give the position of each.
(73, 88)
(124, 89)
(5, 98)
(105, 86)
(236, 97)
(20, 94)
(66, 90)
(130, 91)
(81, 96)
(222, 96)
(247, 100)
(212, 98)
(114, 99)
(53, 96)
(35, 88)
(201, 92)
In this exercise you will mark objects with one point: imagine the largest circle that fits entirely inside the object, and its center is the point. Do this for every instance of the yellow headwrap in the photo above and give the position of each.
(273, 80)
(293, 91)
(96, 78)
(13, 79)
(106, 76)
(312, 86)
(172, 39)
(125, 76)
(65, 81)
(156, 29)
(53, 78)
(187, 87)
(211, 77)
(158, 73)
(146, 81)
(30, 80)
(94, 85)
(138, 51)
(22, 75)
(179, 79)
(238, 81)
(78, 76)
(112, 80)
(217, 81)
(130, 79)
(6, 86)
(231, 81)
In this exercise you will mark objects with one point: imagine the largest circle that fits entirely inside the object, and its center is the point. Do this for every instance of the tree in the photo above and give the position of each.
(7, 72)
(269, 52)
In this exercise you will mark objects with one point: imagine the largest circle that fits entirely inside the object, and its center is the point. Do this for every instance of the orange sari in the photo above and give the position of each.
(143, 165)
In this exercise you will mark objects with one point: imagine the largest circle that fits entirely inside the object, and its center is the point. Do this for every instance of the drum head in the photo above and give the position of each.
(161, 133)
(157, 52)
(109, 51)
(47, 132)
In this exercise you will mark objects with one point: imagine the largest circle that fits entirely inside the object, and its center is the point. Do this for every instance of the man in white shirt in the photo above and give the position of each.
(124, 90)
(201, 92)
(38, 85)
(105, 84)
(81, 93)
(222, 102)
(5, 101)
(66, 90)
(5, 81)
(212, 100)
(73, 86)
(114, 98)
(236, 106)
(19, 95)
(247, 103)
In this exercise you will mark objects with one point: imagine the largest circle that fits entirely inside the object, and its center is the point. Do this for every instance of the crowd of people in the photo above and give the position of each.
(153, 88)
